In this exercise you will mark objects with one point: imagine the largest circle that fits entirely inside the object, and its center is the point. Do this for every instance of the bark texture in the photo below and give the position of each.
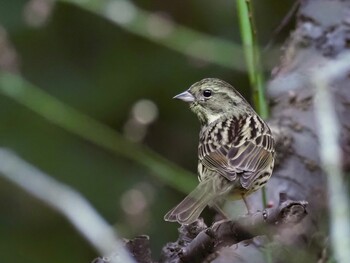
(199, 243)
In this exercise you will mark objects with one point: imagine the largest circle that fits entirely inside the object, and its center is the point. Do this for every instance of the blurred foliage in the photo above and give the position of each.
(101, 69)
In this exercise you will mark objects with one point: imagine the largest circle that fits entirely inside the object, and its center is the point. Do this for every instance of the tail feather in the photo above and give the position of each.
(192, 206)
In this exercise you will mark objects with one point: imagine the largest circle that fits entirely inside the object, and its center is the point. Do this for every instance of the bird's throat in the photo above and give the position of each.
(206, 119)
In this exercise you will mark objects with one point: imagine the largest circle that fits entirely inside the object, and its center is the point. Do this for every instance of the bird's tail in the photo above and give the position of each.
(192, 206)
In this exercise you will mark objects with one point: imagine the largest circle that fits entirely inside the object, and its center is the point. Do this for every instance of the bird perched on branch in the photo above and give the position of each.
(236, 150)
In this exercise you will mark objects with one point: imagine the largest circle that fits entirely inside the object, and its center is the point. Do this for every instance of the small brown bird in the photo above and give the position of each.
(236, 150)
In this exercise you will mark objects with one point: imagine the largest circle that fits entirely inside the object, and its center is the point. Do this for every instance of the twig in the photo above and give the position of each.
(286, 19)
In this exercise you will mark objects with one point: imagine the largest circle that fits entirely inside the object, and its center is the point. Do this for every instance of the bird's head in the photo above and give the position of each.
(211, 99)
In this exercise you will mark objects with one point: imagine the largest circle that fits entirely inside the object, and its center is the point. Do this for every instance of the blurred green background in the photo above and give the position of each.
(76, 53)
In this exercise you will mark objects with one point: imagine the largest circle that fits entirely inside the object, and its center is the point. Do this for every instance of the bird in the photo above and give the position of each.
(236, 150)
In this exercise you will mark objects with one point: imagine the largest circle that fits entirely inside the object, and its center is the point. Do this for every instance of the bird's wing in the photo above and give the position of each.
(250, 159)
(214, 145)
(217, 161)
(234, 158)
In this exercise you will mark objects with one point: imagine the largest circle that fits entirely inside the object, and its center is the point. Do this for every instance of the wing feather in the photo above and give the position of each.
(233, 158)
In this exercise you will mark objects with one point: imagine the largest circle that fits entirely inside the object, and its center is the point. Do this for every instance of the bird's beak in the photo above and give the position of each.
(185, 96)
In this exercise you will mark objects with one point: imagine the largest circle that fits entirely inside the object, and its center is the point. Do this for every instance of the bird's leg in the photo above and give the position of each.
(220, 212)
(247, 205)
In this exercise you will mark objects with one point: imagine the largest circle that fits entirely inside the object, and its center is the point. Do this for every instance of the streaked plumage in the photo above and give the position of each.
(235, 152)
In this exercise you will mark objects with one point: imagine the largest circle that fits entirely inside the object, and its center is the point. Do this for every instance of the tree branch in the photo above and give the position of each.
(197, 241)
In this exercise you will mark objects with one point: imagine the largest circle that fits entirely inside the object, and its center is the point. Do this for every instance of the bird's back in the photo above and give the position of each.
(239, 148)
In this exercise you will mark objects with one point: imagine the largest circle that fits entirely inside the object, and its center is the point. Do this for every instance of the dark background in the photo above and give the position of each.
(101, 69)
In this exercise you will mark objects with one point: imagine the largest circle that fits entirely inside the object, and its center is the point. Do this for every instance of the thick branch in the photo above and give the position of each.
(227, 232)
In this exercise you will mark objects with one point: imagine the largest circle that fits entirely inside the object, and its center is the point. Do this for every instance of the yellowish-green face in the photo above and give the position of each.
(211, 99)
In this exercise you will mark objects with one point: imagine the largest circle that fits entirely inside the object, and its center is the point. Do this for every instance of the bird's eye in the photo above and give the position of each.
(207, 93)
